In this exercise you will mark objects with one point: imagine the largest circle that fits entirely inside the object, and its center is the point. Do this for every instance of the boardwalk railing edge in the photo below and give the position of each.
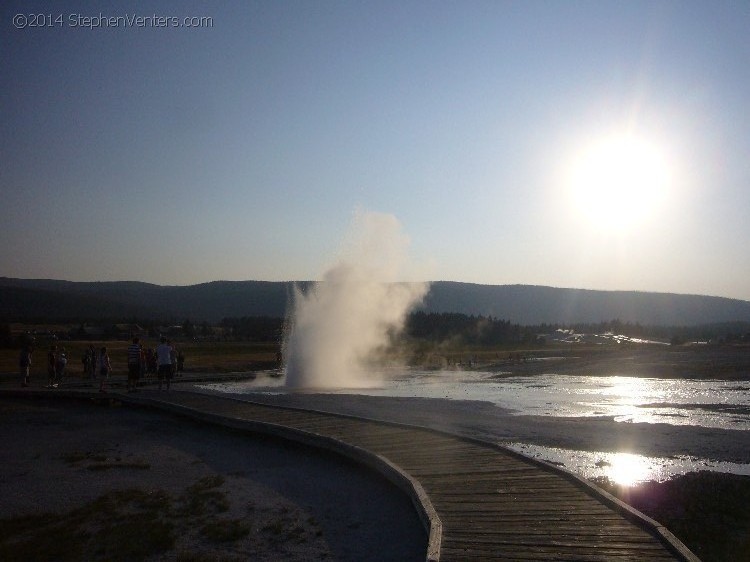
(392, 472)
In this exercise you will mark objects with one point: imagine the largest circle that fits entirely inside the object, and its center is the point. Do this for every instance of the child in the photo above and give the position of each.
(104, 368)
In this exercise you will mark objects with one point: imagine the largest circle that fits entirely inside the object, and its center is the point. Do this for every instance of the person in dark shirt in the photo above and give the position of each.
(134, 363)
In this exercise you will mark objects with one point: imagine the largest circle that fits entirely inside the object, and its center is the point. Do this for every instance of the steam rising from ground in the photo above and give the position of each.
(342, 324)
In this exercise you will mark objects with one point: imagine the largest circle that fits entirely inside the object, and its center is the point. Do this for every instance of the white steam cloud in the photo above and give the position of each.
(339, 325)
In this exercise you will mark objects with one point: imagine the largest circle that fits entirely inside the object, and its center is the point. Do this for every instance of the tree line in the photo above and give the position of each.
(488, 331)
(461, 329)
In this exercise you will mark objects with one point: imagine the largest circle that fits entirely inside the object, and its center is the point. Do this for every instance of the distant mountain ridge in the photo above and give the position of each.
(522, 304)
(532, 304)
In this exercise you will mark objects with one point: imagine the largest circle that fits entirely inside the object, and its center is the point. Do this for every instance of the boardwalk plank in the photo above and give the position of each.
(470, 554)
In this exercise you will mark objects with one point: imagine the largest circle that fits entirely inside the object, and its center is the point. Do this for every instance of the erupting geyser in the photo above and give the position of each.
(339, 325)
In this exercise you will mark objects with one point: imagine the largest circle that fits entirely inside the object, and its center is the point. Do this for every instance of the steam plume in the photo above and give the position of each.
(340, 324)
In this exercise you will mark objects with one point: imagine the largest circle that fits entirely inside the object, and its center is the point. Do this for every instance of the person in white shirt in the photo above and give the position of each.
(164, 360)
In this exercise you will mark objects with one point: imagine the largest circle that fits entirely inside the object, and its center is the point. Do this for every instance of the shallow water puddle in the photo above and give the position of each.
(625, 469)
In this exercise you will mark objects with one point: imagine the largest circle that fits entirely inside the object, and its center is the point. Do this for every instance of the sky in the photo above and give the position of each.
(597, 145)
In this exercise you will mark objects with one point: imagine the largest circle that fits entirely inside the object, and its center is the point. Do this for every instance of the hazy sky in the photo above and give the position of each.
(242, 148)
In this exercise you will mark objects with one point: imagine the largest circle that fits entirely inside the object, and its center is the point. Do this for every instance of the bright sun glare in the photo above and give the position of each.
(618, 181)
(627, 469)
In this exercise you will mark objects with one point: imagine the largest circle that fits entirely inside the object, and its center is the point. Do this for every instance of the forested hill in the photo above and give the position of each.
(52, 299)
(531, 305)
(27, 299)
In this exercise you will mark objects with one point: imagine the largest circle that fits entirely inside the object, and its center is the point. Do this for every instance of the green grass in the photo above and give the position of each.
(203, 498)
(122, 525)
(284, 529)
(219, 357)
(99, 461)
(43, 537)
(130, 524)
(226, 530)
(206, 483)
(200, 556)
(79, 456)
(111, 465)
(133, 537)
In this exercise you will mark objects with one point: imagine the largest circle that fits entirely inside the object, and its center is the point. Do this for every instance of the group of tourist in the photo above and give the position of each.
(168, 362)
(97, 365)
(165, 361)
(57, 361)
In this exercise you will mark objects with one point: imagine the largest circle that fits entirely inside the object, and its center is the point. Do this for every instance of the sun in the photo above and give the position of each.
(618, 181)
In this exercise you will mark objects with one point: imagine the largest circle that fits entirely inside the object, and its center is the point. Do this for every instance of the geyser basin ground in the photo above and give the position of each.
(628, 429)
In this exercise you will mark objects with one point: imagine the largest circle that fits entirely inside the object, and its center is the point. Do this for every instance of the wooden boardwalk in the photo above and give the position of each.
(478, 501)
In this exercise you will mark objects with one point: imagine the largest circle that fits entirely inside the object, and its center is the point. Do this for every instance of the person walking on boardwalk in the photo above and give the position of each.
(134, 364)
(104, 368)
(61, 363)
(173, 358)
(88, 357)
(164, 359)
(51, 365)
(150, 362)
(92, 364)
(24, 363)
(180, 362)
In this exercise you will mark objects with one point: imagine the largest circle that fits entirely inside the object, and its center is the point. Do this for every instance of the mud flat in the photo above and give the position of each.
(660, 361)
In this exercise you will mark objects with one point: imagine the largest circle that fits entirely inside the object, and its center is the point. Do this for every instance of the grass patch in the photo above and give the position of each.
(204, 503)
(40, 537)
(207, 483)
(101, 461)
(133, 537)
(79, 456)
(123, 525)
(203, 498)
(199, 356)
(199, 556)
(47, 538)
(285, 529)
(147, 502)
(109, 465)
(226, 530)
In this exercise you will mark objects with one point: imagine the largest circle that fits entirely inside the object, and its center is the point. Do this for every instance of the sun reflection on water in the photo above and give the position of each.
(627, 469)
(624, 397)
